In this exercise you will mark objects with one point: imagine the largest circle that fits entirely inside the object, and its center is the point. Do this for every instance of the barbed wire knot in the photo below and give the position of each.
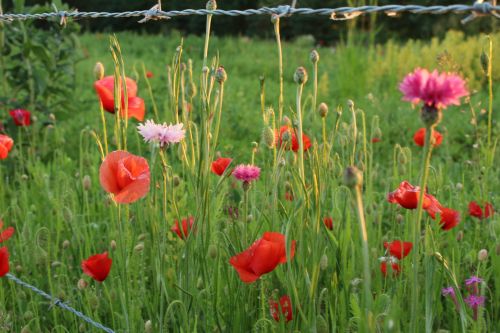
(154, 13)
(482, 8)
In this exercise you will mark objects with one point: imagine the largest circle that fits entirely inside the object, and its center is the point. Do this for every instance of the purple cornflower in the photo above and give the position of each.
(472, 280)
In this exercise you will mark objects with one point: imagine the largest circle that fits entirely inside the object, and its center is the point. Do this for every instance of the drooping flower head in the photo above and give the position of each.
(433, 89)
(162, 134)
(398, 249)
(246, 173)
(419, 137)
(187, 226)
(97, 266)
(6, 144)
(135, 105)
(125, 175)
(21, 117)
(262, 256)
(220, 165)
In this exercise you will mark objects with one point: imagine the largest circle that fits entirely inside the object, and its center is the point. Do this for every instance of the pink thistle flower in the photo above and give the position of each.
(246, 173)
(161, 133)
(433, 89)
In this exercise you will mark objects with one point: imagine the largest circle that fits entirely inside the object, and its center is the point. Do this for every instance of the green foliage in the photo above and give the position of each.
(38, 61)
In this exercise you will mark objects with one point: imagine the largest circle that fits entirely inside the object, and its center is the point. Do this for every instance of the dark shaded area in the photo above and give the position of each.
(380, 26)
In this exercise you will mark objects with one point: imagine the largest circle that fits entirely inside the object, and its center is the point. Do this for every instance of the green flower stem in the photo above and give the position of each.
(426, 160)
(280, 57)
(300, 88)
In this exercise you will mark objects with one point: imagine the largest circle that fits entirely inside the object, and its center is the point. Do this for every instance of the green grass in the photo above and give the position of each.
(178, 285)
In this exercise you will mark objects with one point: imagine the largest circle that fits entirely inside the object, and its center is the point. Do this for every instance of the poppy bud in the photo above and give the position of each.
(270, 112)
(323, 263)
(28, 315)
(52, 117)
(255, 146)
(142, 237)
(67, 214)
(460, 235)
(459, 186)
(430, 115)
(399, 218)
(262, 80)
(139, 247)
(249, 218)
(112, 245)
(353, 177)
(191, 89)
(19, 269)
(66, 244)
(275, 19)
(220, 75)
(99, 71)
(314, 56)
(350, 104)
(212, 251)
(148, 327)
(482, 255)
(55, 264)
(199, 283)
(82, 328)
(211, 5)
(300, 76)
(82, 284)
(288, 187)
(286, 121)
(24, 177)
(323, 110)
(205, 69)
(268, 137)
(485, 62)
(176, 180)
(86, 182)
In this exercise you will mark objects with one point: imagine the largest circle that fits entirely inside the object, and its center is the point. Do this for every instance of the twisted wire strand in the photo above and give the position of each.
(484, 8)
(59, 303)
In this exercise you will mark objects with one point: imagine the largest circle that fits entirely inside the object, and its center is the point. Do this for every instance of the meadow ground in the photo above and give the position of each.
(51, 194)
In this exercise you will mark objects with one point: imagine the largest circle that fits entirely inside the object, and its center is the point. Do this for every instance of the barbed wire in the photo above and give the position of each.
(59, 303)
(477, 9)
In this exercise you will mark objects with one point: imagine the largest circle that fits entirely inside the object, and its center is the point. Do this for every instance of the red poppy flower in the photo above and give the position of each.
(149, 74)
(262, 256)
(6, 144)
(375, 140)
(295, 142)
(187, 226)
(406, 195)
(125, 175)
(286, 308)
(328, 222)
(220, 165)
(288, 196)
(476, 210)
(21, 117)
(398, 249)
(449, 218)
(105, 90)
(5, 234)
(419, 137)
(4, 261)
(97, 266)
(396, 269)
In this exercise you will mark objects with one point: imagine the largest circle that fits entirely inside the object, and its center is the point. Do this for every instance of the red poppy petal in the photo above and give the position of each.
(6, 234)
(108, 169)
(4, 261)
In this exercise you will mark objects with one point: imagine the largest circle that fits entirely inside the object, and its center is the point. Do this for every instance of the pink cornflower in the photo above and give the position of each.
(474, 301)
(246, 173)
(433, 89)
(162, 133)
(472, 280)
(448, 291)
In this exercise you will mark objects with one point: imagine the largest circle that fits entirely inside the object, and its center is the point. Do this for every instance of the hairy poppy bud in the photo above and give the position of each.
(86, 182)
(191, 90)
(459, 186)
(485, 62)
(212, 251)
(321, 325)
(28, 315)
(350, 103)
(323, 110)
(482, 255)
(399, 218)
(353, 177)
(211, 5)
(460, 235)
(82, 284)
(112, 245)
(323, 262)
(300, 76)
(65, 244)
(199, 283)
(139, 247)
(176, 180)
(99, 71)
(220, 75)
(314, 56)
(286, 121)
(142, 237)
(148, 327)
(268, 137)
